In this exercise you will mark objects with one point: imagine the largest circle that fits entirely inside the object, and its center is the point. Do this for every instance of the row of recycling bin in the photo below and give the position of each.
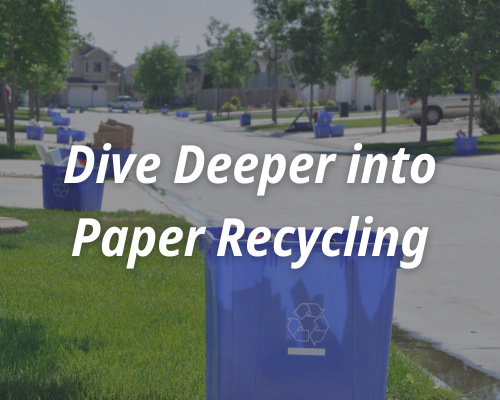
(182, 114)
(83, 196)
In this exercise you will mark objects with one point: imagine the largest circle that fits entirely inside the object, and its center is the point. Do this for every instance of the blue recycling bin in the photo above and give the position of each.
(185, 114)
(110, 109)
(110, 171)
(56, 114)
(164, 111)
(209, 117)
(178, 114)
(324, 118)
(465, 146)
(245, 119)
(49, 113)
(60, 121)
(70, 111)
(78, 136)
(336, 130)
(63, 136)
(35, 132)
(321, 131)
(125, 109)
(84, 196)
(319, 332)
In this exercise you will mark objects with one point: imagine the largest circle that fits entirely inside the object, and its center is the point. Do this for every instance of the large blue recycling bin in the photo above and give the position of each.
(178, 114)
(185, 114)
(164, 111)
(58, 121)
(125, 109)
(245, 119)
(78, 136)
(63, 136)
(35, 132)
(84, 196)
(337, 130)
(319, 332)
(110, 171)
(324, 118)
(209, 117)
(321, 131)
(465, 146)
(71, 111)
(49, 113)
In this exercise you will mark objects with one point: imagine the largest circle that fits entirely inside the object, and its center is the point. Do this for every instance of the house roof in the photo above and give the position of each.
(82, 80)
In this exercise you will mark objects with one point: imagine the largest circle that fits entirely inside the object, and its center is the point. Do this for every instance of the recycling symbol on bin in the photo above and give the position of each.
(311, 324)
(60, 188)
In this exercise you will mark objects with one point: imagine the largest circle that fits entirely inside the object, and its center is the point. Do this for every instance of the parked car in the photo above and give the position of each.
(451, 106)
(122, 101)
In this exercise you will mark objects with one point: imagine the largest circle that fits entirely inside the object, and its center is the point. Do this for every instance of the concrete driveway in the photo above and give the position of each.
(452, 299)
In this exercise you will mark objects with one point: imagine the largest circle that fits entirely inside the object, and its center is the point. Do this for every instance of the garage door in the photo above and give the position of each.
(86, 97)
(79, 97)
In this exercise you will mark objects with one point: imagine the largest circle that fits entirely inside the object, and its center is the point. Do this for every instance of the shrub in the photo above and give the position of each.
(235, 100)
(299, 104)
(315, 103)
(331, 103)
(488, 117)
(285, 96)
(228, 107)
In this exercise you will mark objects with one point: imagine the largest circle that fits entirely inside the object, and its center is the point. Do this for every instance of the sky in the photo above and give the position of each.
(127, 26)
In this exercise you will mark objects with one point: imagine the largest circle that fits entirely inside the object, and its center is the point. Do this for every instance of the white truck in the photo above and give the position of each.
(122, 101)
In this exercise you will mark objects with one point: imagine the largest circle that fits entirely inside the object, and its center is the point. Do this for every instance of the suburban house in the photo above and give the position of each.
(95, 79)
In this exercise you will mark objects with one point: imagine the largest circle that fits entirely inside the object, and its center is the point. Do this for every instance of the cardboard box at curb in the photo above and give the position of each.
(119, 135)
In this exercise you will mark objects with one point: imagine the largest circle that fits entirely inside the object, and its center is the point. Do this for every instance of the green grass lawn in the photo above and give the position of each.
(24, 115)
(485, 145)
(17, 152)
(353, 123)
(87, 328)
(22, 128)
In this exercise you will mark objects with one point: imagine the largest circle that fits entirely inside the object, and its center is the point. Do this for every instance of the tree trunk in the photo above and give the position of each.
(221, 101)
(311, 101)
(275, 84)
(5, 104)
(31, 102)
(423, 120)
(37, 99)
(328, 96)
(229, 102)
(384, 110)
(472, 96)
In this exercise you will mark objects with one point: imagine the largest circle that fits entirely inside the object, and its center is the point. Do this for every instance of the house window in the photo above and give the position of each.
(97, 67)
(86, 68)
(71, 65)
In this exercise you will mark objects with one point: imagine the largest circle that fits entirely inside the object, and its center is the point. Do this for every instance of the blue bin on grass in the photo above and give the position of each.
(319, 332)
(63, 136)
(321, 131)
(71, 111)
(465, 146)
(164, 111)
(110, 171)
(35, 132)
(324, 118)
(56, 114)
(209, 117)
(78, 136)
(125, 109)
(245, 119)
(185, 114)
(84, 196)
(336, 130)
(58, 121)
(49, 113)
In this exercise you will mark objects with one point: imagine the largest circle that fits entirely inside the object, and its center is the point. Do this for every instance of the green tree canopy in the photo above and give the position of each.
(160, 71)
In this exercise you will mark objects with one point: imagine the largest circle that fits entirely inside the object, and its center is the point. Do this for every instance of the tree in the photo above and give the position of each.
(160, 71)
(33, 33)
(378, 37)
(429, 74)
(471, 33)
(230, 55)
(272, 37)
(306, 37)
